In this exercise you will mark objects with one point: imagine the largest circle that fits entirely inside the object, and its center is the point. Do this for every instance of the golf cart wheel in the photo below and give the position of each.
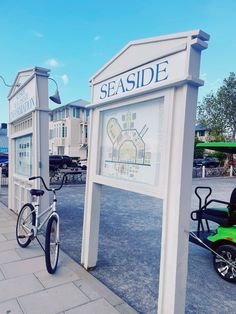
(226, 266)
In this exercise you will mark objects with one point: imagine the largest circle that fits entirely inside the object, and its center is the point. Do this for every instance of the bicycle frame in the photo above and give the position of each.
(51, 210)
(35, 220)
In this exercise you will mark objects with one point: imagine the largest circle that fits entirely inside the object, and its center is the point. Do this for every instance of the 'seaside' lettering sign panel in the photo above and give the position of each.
(148, 76)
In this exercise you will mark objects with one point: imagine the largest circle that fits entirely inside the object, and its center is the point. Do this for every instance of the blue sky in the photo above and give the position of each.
(74, 38)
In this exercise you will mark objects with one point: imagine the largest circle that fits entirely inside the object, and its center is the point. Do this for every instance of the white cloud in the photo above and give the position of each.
(38, 34)
(97, 37)
(65, 79)
(52, 63)
(203, 76)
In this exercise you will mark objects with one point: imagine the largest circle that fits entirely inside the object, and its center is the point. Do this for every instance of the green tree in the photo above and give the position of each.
(218, 111)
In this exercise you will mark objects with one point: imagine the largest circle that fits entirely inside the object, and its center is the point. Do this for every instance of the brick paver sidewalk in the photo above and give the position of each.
(26, 287)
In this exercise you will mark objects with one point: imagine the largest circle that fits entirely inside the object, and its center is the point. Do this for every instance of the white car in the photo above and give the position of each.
(83, 164)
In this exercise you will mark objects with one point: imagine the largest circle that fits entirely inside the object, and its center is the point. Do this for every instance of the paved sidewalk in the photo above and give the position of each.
(26, 287)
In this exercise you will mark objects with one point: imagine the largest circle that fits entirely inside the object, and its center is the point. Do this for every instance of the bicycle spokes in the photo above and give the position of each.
(25, 225)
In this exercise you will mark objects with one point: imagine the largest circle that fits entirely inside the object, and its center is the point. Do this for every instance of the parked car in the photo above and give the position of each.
(232, 162)
(3, 158)
(208, 162)
(197, 162)
(82, 164)
(4, 167)
(60, 161)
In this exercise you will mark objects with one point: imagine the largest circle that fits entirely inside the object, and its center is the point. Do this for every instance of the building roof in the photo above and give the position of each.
(201, 127)
(80, 103)
(226, 147)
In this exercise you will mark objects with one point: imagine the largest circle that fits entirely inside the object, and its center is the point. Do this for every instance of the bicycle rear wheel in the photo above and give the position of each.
(26, 219)
(52, 244)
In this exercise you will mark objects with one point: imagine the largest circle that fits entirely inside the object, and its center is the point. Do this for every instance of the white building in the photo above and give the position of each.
(3, 138)
(68, 129)
(202, 132)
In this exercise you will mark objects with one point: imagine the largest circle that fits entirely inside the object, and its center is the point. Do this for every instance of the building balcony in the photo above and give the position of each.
(57, 141)
(85, 122)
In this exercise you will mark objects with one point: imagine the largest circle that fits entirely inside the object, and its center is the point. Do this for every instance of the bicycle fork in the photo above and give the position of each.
(58, 226)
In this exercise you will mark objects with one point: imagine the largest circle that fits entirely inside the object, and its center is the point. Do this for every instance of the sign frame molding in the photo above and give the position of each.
(119, 183)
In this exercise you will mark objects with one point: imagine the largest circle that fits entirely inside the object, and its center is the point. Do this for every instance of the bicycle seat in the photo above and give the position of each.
(36, 192)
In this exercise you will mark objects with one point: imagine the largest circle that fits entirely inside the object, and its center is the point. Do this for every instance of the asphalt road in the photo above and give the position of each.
(129, 248)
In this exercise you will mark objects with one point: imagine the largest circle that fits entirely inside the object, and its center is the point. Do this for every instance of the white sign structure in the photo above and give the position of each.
(141, 139)
(28, 135)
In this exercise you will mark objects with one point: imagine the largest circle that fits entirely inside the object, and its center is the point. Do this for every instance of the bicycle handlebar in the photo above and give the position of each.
(41, 178)
(62, 181)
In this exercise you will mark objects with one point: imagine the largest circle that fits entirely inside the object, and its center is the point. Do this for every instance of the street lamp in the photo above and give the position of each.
(8, 84)
(56, 97)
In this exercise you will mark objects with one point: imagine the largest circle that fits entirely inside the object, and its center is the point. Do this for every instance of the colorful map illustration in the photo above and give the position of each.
(128, 145)
(131, 142)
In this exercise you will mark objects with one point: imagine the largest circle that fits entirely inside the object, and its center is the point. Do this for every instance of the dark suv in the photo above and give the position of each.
(5, 169)
(60, 161)
(208, 162)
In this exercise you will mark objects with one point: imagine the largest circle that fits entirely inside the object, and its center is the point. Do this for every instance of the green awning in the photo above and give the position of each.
(225, 147)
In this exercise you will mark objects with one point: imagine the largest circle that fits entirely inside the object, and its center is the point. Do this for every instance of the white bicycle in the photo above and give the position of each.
(28, 224)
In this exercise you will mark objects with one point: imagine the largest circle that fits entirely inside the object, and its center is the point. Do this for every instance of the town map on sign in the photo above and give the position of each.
(127, 142)
(131, 142)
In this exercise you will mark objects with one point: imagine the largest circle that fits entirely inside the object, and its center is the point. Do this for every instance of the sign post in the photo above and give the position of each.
(28, 135)
(141, 140)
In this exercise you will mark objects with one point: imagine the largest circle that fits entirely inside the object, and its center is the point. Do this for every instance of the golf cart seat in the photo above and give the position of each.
(224, 216)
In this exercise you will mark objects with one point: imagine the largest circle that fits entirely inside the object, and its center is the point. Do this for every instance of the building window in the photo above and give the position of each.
(63, 130)
(75, 112)
(51, 134)
(62, 114)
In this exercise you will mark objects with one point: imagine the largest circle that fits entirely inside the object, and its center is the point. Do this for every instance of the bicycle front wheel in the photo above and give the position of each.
(52, 244)
(25, 221)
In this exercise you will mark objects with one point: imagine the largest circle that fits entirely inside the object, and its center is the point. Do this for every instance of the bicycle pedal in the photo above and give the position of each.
(21, 236)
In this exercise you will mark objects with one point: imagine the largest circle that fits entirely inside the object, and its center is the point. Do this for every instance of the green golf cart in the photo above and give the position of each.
(220, 239)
